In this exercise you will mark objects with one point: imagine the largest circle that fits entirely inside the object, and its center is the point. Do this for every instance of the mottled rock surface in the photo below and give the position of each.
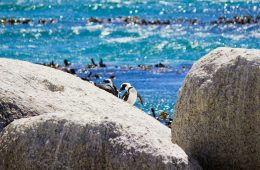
(76, 125)
(217, 115)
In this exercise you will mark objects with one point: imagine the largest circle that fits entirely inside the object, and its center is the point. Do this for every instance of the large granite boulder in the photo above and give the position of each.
(76, 125)
(217, 114)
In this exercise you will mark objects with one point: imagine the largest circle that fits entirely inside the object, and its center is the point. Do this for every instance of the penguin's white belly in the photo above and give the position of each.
(132, 96)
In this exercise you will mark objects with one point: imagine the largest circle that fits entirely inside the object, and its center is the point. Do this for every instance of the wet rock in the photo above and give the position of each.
(217, 112)
(25, 21)
(95, 20)
(160, 65)
(240, 20)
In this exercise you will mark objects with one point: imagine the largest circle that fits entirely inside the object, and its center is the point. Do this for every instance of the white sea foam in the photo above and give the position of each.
(93, 28)
(161, 45)
(114, 1)
(166, 3)
(33, 30)
(31, 46)
(255, 35)
(105, 32)
(76, 30)
(37, 35)
(145, 33)
(203, 34)
(169, 32)
(234, 37)
(4, 47)
(124, 39)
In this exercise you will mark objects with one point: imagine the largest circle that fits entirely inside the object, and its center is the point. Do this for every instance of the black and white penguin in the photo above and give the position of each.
(109, 87)
(101, 64)
(131, 95)
(66, 63)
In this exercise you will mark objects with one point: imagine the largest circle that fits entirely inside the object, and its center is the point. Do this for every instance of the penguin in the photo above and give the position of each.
(153, 113)
(109, 87)
(66, 63)
(53, 65)
(101, 64)
(112, 77)
(93, 62)
(131, 95)
(85, 79)
(92, 65)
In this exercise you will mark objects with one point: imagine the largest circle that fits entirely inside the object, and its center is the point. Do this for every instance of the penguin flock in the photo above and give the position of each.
(131, 96)
(130, 93)
(126, 91)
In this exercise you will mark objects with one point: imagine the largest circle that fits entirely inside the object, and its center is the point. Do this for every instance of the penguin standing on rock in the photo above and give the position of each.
(131, 95)
(101, 64)
(66, 63)
(109, 87)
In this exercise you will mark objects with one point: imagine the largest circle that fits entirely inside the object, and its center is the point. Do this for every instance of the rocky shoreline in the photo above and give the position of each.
(50, 119)
(57, 121)
(222, 20)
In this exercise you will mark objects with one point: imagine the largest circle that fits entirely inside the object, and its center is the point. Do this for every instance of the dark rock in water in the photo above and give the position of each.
(77, 126)
(26, 21)
(42, 21)
(167, 22)
(236, 20)
(94, 20)
(138, 21)
(90, 66)
(217, 111)
(159, 65)
(144, 22)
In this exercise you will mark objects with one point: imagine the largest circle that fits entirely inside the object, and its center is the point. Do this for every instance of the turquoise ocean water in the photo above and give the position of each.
(177, 45)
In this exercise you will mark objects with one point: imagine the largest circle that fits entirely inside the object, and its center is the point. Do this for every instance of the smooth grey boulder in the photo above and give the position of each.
(217, 114)
(76, 125)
